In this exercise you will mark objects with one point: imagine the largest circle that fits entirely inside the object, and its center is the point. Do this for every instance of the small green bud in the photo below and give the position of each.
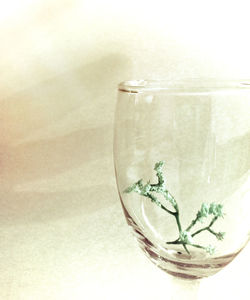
(216, 210)
(136, 187)
(140, 184)
(186, 237)
(168, 197)
(130, 189)
(158, 166)
(220, 235)
(210, 249)
(203, 212)
(146, 188)
(154, 199)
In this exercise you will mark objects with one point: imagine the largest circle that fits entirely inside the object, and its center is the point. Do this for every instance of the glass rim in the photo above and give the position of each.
(183, 85)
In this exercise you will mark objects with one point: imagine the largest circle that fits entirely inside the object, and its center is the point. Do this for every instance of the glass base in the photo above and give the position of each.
(176, 262)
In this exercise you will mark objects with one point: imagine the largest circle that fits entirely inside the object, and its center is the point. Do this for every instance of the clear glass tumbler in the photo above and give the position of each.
(181, 155)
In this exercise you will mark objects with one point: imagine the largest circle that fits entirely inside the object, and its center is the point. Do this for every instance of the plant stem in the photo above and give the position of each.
(192, 223)
(207, 227)
(177, 242)
(212, 222)
(199, 231)
(158, 203)
(198, 246)
(176, 215)
(185, 247)
(169, 211)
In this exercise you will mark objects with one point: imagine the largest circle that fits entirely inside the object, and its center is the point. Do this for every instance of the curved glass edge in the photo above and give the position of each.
(193, 84)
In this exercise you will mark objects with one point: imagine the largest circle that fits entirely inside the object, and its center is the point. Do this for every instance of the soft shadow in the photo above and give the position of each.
(29, 150)
(38, 207)
(43, 159)
(40, 139)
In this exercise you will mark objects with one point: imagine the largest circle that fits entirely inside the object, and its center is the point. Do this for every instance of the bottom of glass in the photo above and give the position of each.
(186, 269)
(178, 263)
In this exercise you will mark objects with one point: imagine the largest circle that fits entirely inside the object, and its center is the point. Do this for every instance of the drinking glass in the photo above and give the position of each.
(181, 156)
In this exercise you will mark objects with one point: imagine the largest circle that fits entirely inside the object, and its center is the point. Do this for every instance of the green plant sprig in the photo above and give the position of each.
(185, 237)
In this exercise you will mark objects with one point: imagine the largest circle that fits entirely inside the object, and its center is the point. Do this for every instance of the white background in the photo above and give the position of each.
(63, 235)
